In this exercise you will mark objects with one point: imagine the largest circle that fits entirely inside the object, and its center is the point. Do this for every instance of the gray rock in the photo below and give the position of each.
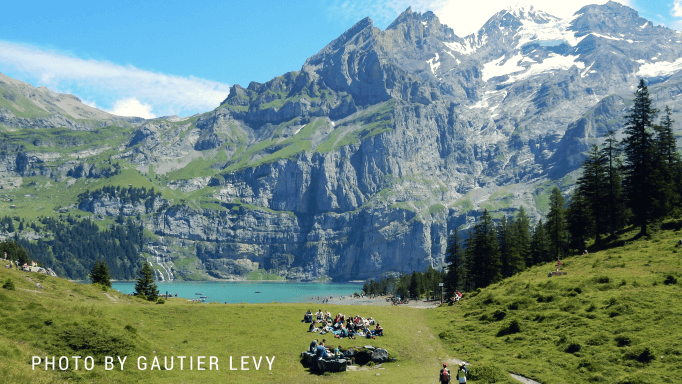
(380, 355)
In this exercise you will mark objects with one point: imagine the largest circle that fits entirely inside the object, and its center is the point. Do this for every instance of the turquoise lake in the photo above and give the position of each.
(245, 292)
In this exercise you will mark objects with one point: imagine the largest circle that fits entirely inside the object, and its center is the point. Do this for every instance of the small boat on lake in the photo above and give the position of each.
(258, 291)
(203, 297)
(198, 293)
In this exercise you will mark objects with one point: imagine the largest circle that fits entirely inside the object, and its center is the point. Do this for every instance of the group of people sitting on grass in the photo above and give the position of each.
(342, 325)
(322, 352)
(455, 298)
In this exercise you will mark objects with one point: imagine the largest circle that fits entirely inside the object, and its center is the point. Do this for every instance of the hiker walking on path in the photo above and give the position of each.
(444, 376)
(462, 373)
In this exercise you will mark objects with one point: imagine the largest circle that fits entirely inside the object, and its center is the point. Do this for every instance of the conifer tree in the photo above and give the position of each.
(593, 188)
(415, 290)
(483, 253)
(579, 218)
(540, 245)
(666, 165)
(100, 274)
(454, 256)
(506, 245)
(521, 253)
(145, 283)
(638, 148)
(615, 201)
(556, 225)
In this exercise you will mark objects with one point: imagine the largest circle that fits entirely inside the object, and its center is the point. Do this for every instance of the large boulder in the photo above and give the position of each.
(380, 355)
(308, 356)
(331, 365)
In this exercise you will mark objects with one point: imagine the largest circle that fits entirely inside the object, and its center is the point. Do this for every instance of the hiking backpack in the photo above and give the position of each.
(444, 375)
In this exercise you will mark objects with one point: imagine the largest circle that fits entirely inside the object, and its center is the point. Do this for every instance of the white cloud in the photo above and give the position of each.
(677, 8)
(132, 107)
(107, 83)
(467, 17)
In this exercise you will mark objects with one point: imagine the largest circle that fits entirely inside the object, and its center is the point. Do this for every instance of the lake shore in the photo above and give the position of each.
(377, 301)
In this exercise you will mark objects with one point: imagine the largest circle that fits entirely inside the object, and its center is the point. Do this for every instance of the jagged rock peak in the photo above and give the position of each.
(408, 15)
(363, 27)
(609, 17)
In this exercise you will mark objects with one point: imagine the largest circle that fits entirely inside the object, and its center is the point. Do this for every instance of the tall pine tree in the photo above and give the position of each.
(666, 163)
(454, 256)
(615, 199)
(579, 218)
(506, 243)
(592, 186)
(638, 148)
(521, 253)
(556, 225)
(145, 283)
(540, 245)
(483, 253)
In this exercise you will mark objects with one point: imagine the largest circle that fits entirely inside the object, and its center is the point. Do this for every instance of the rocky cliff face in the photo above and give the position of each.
(363, 161)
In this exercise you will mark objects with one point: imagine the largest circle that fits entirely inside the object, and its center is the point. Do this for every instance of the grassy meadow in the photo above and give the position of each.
(613, 319)
(70, 319)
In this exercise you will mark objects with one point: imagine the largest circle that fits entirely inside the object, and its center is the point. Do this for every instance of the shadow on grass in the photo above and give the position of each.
(309, 367)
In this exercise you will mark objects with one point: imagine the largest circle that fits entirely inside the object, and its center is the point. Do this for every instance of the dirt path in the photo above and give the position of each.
(456, 362)
(522, 379)
(111, 297)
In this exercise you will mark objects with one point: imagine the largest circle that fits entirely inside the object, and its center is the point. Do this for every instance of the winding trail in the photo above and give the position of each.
(522, 379)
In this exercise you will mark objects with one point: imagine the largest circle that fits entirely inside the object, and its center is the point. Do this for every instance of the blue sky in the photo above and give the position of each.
(160, 58)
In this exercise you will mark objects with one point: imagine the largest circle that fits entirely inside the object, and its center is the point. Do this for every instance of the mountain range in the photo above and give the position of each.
(362, 162)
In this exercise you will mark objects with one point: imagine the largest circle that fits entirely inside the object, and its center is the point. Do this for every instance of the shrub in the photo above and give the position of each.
(602, 279)
(670, 280)
(573, 347)
(545, 299)
(499, 315)
(92, 341)
(642, 354)
(486, 374)
(160, 301)
(513, 327)
(130, 329)
(623, 340)
(9, 285)
(599, 339)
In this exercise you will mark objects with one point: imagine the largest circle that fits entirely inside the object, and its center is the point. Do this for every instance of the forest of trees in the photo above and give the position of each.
(632, 182)
(126, 195)
(414, 285)
(77, 244)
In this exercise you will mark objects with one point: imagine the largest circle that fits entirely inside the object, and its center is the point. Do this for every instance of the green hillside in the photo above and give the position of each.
(614, 318)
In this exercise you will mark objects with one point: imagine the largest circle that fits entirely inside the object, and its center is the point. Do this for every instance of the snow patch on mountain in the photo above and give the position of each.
(434, 63)
(497, 68)
(661, 68)
(469, 45)
(552, 30)
(554, 62)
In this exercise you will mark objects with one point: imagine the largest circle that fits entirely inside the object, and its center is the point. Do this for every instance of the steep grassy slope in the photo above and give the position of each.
(614, 318)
